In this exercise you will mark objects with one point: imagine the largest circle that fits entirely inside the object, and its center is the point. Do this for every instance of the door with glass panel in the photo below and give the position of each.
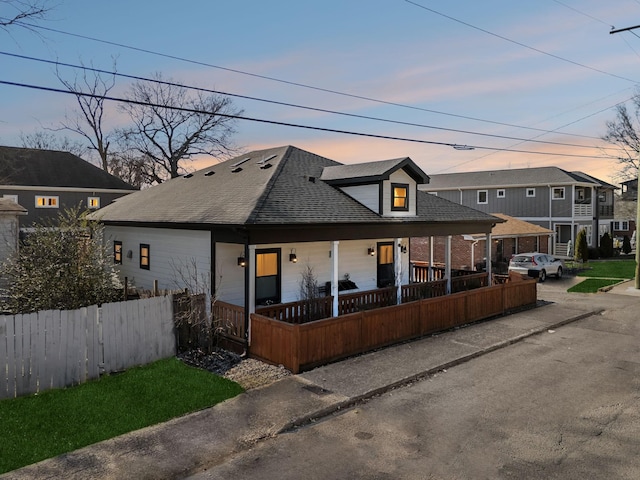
(268, 276)
(386, 268)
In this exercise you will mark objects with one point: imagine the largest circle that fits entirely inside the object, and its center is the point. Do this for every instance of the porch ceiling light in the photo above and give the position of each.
(242, 262)
(292, 256)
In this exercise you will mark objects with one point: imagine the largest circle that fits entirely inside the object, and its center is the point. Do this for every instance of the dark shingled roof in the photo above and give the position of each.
(514, 177)
(289, 191)
(50, 168)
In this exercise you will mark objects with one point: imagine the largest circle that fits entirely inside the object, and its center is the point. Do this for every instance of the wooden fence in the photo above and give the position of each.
(304, 346)
(60, 348)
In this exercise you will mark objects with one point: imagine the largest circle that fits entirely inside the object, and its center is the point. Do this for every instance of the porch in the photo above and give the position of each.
(301, 335)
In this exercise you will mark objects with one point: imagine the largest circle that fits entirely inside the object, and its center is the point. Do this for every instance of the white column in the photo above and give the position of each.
(447, 263)
(398, 270)
(251, 272)
(334, 276)
(488, 246)
(430, 275)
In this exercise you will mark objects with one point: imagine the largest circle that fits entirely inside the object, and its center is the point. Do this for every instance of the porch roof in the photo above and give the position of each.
(274, 188)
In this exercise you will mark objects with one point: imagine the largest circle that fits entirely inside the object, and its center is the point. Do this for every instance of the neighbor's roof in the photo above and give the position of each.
(510, 178)
(278, 186)
(49, 168)
(514, 227)
(9, 206)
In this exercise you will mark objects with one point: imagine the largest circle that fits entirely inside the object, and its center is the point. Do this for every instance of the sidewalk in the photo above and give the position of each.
(189, 444)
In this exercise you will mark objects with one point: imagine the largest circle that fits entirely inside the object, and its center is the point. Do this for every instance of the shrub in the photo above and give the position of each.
(606, 246)
(626, 244)
(582, 249)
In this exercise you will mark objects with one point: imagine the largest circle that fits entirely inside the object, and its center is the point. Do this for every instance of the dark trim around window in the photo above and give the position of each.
(117, 252)
(145, 256)
(399, 202)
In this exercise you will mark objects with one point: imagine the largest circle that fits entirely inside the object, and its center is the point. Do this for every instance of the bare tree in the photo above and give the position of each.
(88, 123)
(14, 12)
(44, 140)
(172, 123)
(623, 132)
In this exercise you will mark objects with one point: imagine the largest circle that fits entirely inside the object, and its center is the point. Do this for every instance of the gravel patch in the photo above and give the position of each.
(248, 372)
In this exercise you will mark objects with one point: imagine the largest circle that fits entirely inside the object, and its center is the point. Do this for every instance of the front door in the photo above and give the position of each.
(268, 276)
(386, 266)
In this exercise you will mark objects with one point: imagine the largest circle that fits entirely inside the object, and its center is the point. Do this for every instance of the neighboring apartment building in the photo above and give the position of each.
(550, 197)
(46, 182)
(624, 223)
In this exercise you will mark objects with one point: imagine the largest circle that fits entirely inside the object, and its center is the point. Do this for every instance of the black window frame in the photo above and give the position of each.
(147, 256)
(404, 208)
(117, 252)
(278, 277)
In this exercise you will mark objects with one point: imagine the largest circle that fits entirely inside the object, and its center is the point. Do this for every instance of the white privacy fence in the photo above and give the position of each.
(60, 348)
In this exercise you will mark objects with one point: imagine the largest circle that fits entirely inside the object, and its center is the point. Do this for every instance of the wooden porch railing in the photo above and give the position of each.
(367, 300)
(229, 318)
(418, 291)
(299, 312)
(469, 282)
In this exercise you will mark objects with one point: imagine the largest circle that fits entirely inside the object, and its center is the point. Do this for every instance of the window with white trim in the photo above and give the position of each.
(557, 193)
(483, 197)
(46, 201)
(93, 202)
(531, 192)
(501, 193)
(621, 225)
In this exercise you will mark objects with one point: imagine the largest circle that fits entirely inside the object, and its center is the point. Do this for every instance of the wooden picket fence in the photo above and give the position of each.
(61, 348)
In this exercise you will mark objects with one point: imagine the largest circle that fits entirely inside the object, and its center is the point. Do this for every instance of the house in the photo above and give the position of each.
(624, 223)
(46, 182)
(250, 227)
(564, 202)
(10, 213)
(507, 238)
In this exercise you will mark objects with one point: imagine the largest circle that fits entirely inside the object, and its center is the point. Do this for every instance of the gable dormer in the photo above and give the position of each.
(387, 187)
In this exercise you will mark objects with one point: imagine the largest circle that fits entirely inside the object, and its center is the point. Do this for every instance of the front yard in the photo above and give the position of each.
(599, 274)
(42, 426)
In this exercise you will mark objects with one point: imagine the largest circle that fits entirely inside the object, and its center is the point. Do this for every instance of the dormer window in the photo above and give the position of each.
(400, 197)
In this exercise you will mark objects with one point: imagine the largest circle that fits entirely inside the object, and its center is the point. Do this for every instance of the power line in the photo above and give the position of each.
(537, 50)
(294, 125)
(315, 109)
(287, 82)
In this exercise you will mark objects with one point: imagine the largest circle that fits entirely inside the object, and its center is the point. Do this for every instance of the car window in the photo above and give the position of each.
(522, 259)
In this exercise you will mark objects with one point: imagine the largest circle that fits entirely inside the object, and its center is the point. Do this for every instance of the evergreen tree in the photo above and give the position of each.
(582, 249)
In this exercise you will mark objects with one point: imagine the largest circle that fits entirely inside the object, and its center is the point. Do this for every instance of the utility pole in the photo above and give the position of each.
(637, 279)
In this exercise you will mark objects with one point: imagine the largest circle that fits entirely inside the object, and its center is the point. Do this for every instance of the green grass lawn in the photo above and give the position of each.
(41, 426)
(602, 274)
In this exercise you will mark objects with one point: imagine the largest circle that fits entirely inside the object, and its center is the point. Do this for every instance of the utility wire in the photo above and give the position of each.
(287, 124)
(279, 80)
(315, 109)
(557, 57)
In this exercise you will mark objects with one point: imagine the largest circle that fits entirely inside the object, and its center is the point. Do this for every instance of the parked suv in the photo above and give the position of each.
(536, 264)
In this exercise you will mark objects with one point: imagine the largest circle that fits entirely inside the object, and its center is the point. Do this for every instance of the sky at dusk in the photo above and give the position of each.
(502, 76)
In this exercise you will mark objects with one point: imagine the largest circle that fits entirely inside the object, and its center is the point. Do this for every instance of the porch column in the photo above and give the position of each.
(430, 272)
(447, 263)
(334, 276)
(488, 247)
(398, 271)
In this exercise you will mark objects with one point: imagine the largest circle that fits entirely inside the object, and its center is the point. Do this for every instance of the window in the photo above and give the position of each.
(145, 258)
(557, 193)
(46, 202)
(93, 202)
(623, 225)
(267, 276)
(531, 192)
(117, 252)
(400, 198)
(482, 196)
(501, 193)
(13, 198)
(580, 194)
(602, 197)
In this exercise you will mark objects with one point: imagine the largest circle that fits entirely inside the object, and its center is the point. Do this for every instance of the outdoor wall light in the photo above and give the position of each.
(403, 248)
(292, 256)
(242, 262)
(371, 252)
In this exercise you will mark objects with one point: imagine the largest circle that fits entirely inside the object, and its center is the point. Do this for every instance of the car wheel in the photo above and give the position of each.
(559, 274)
(542, 276)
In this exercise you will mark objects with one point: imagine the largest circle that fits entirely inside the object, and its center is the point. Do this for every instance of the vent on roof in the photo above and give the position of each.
(188, 175)
(209, 173)
(311, 179)
(235, 168)
(264, 163)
